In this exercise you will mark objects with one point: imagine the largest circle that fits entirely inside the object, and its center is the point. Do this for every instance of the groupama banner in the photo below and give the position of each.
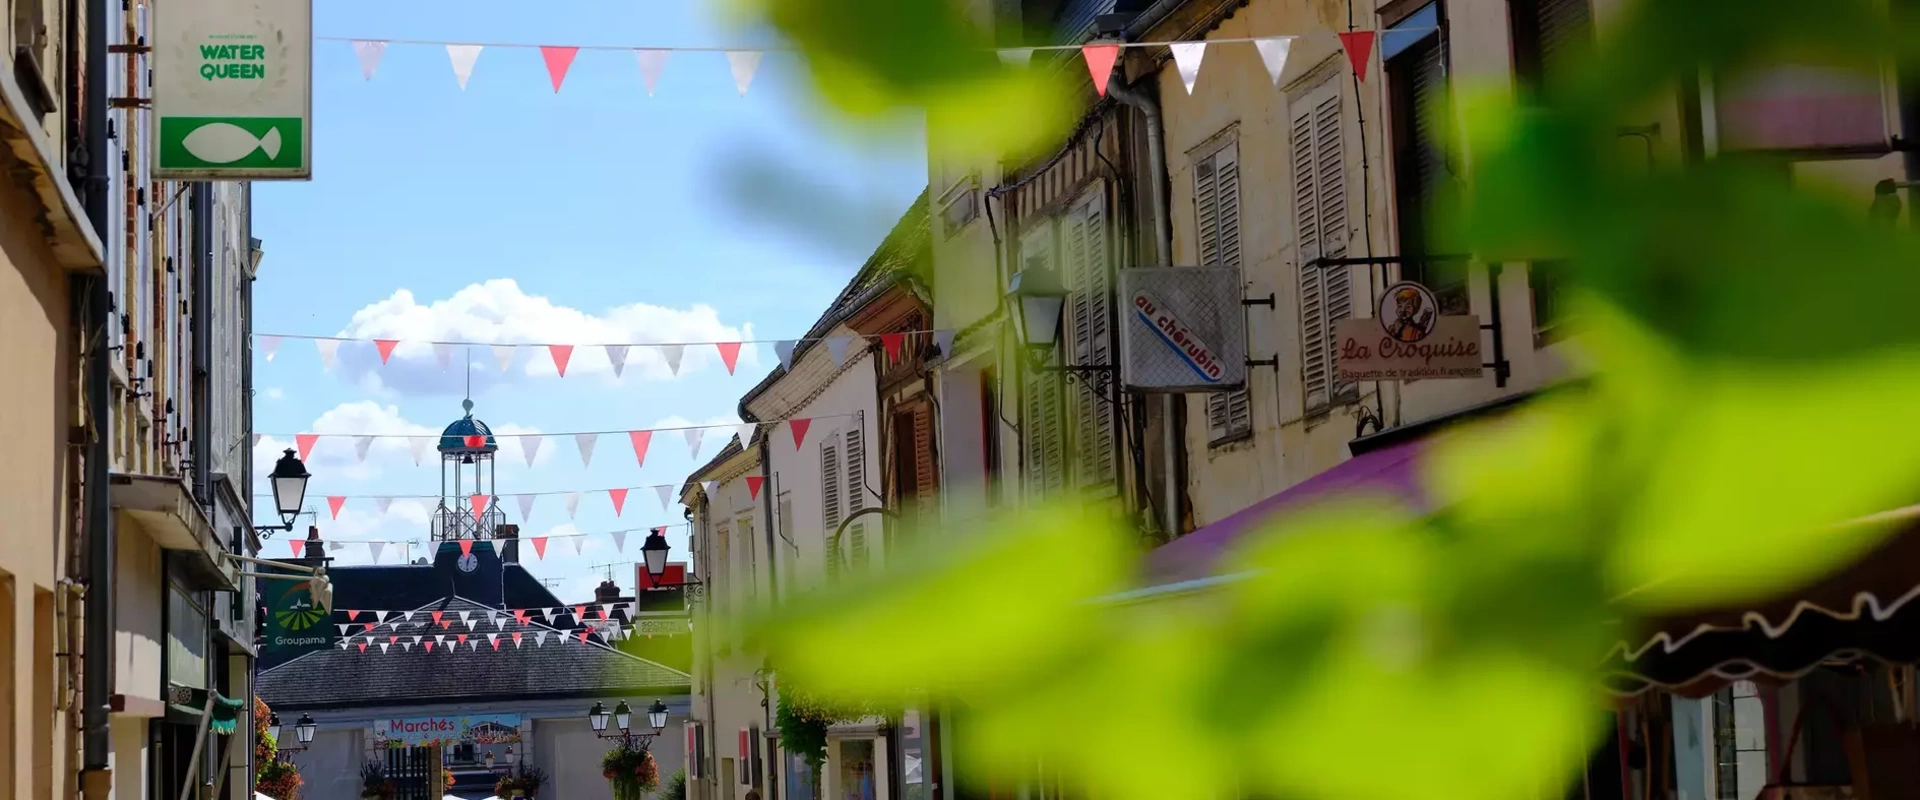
(293, 625)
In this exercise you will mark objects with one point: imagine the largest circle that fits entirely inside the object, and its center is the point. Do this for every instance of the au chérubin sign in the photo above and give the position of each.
(233, 89)
(1408, 339)
(293, 624)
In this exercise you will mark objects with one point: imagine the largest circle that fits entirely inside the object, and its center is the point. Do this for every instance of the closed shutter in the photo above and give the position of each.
(750, 577)
(1564, 26)
(1320, 218)
(1424, 182)
(1216, 193)
(926, 478)
(857, 546)
(1043, 432)
(855, 490)
(1089, 277)
(830, 503)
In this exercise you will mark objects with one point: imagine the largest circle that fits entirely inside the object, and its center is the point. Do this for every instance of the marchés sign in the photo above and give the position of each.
(233, 89)
(423, 731)
(1409, 340)
(293, 624)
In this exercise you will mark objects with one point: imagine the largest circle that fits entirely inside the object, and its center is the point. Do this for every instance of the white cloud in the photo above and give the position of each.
(335, 462)
(273, 393)
(499, 311)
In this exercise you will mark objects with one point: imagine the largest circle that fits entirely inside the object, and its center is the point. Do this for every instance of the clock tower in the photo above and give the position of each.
(468, 519)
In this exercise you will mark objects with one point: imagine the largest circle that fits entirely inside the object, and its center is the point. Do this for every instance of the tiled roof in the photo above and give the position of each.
(563, 666)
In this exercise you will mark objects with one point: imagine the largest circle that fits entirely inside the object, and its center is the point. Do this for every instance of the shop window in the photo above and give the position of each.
(1739, 742)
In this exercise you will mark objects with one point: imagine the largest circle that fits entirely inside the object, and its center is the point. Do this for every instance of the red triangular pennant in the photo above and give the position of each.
(753, 486)
(370, 626)
(603, 613)
(479, 502)
(496, 643)
(540, 550)
(520, 615)
(305, 442)
(386, 348)
(640, 440)
(562, 353)
(462, 637)
(351, 613)
(579, 614)
(335, 502)
(429, 644)
(474, 441)
(466, 547)
(1359, 45)
(516, 638)
(363, 647)
(799, 429)
(583, 636)
(729, 354)
(393, 640)
(619, 497)
(558, 60)
(1100, 58)
(300, 544)
(438, 614)
(893, 343)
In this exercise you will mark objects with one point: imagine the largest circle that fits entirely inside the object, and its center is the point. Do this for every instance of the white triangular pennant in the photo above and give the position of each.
(504, 354)
(694, 436)
(530, 446)
(407, 646)
(744, 63)
(573, 504)
(526, 506)
(269, 345)
(539, 638)
(1016, 56)
(361, 445)
(464, 615)
(837, 347)
(666, 496)
(586, 441)
(329, 351)
(672, 353)
(419, 445)
(617, 356)
(1273, 52)
(493, 637)
(579, 544)
(369, 53)
(1186, 59)
(463, 56)
(652, 64)
(944, 341)
(785, 351)
(383, 503)
(374, 548)
(383, 648)
(343, 628)
(443, 352)
(336, 546)
(745, 432)
(619, 541)
(707, 486)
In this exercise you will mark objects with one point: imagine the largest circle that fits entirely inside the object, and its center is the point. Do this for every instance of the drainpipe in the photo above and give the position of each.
(202, 333)
(1140, 99)
(97, 517)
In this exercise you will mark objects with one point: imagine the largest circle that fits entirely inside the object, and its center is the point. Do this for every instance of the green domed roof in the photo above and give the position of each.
(455, 438)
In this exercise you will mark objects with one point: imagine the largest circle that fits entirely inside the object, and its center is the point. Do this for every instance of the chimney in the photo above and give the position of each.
(508, 539)
(314, 550)
(606, 593)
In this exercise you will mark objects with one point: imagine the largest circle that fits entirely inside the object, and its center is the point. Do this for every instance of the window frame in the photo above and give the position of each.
(1227, 143)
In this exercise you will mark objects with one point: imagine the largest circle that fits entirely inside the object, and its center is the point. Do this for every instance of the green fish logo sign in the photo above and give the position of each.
(298, 613)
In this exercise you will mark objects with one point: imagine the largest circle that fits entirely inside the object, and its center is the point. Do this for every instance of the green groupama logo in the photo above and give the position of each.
(298, 613)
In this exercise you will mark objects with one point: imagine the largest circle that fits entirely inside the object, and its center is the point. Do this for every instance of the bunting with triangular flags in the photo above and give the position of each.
(640, 440)
(837, 347)
(558, 60)
(562, 353)
(1100, 59)
(729, 354)
(619, 498)
(798, 427)
(530, 446)
(385, 347)
(329, 350)
(619, 541)
(1359, 47)
(1017, 56)
(744, 64)
(334, 502)
(463, 57)
(784, 349)
(268, 345)
(1273, 53)
(694, 435)
(573, 504)
(672, 353)
(586, 442)
(503, 353)
(617, 357)
(753, 486)
(1186, 61)
(652, 64)
(443, 353)
(539, 550)
(666, 496)
(526, 505)
(420, 445)
(360, 447)
(304, 442)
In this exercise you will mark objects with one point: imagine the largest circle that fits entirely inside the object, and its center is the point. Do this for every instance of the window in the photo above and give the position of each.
(750, 577)
(1216, 209)
(1543, 283)
(1415, 55)
(33, 58)
(723, 563)
(1544, 33)
(1090, 304)
(855, 489)
(1739, 741)
(1315, 136)
(960, 204)
(1042, 426)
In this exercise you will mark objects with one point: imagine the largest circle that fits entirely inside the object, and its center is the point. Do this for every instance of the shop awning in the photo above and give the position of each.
(1390, 469)
(1869, 610)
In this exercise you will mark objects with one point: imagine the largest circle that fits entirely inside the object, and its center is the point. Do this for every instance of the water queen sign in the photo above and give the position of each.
(233, 89)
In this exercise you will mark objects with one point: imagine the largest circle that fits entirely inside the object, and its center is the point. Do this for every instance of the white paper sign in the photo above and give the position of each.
(233, 89)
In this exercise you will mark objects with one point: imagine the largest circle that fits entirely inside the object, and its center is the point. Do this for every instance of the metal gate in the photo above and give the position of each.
(411, 770)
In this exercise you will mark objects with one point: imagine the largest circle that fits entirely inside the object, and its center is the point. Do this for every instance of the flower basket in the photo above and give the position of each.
(525, 782)
(630, 771)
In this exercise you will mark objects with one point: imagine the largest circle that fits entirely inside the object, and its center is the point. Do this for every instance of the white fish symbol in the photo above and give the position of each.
(225, 143)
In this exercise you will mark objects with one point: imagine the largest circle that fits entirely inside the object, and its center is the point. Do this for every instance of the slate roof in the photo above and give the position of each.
(905, 255)
(563, 667)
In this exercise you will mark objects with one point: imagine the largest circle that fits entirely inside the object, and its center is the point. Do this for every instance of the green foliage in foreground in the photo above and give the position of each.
(1745, 340)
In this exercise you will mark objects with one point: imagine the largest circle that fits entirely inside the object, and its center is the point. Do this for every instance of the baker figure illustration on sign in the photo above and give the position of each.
(1412, 317)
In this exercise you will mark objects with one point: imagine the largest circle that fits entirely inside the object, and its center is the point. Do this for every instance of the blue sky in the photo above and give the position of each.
(509, 213)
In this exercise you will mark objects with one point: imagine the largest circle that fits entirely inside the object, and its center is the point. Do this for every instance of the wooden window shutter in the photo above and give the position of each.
(856, 483)
(1216, 192)
(1090, 279)
(926, 478)
(830, 504)
(1320, 218)
(857, 546)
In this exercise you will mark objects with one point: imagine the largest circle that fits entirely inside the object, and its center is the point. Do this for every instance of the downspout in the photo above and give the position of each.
(202, 333)
(1149, 109)
(767, 698)
(97, 518)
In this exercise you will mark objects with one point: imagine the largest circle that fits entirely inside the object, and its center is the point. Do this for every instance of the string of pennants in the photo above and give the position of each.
(538, 638)
(601, 621)
(585, 441)
(328, 347)
(377, 547)
(480, 503)
(744, 63)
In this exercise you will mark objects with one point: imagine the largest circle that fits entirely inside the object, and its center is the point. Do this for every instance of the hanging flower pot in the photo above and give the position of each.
(630, 771)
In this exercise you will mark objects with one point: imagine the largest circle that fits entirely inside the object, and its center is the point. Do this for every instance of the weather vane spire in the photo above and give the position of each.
(467, 404)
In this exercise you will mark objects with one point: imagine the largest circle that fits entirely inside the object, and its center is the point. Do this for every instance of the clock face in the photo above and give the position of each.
(468, 563)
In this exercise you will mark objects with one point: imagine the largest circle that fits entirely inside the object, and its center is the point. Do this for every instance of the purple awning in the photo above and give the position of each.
(1197, 555)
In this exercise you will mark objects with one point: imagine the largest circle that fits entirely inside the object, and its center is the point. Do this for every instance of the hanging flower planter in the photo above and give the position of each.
(630, 771)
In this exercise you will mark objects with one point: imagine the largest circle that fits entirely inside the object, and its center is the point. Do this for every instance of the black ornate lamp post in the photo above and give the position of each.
(622, 718)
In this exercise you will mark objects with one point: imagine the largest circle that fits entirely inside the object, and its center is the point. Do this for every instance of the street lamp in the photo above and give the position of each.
(489, 760)
(1039, 297)
(597, 717)
(289, 480)
(654, 551)
(512, 757)
(303, 730)
(622, 714)
(657, 716)
(273, 727)
(622, 717)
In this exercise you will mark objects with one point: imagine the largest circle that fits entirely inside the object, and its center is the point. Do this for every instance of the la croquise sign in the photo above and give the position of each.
(1409, 340)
